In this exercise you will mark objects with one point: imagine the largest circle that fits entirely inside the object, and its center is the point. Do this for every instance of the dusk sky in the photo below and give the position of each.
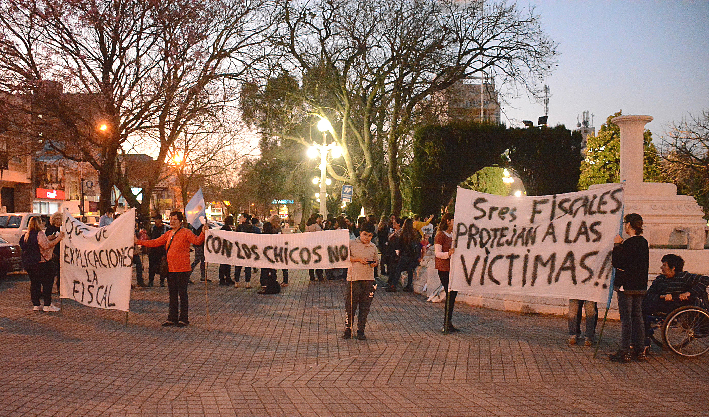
(644, 57)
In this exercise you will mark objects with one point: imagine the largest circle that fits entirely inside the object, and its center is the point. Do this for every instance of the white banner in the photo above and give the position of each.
(553, 246)
(313, 250)
(97, 263)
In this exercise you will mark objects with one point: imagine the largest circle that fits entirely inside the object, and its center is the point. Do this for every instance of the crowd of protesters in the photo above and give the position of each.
(392, 247)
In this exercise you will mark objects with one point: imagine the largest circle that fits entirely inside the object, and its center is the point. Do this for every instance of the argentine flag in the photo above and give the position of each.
(195, 209)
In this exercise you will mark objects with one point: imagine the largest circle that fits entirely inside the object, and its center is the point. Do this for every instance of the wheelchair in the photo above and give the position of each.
(684, 330)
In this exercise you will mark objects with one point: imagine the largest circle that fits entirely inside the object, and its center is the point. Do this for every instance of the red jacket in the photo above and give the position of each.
(178, 257)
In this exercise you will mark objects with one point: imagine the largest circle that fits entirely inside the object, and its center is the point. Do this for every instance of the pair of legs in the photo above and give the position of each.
(269, 282)
(41, 283)
(199, 259)
(225, 274)
(448, 327)
(138, 270)
(358, 296)
(247, 274)
(154, 268)
(316, 272)
(576, 308)
(179, 302)
(405, 265)
(631, 321)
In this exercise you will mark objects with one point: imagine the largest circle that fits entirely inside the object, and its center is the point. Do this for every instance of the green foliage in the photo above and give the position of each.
(487, 180)
(602, 162)
(547, 160)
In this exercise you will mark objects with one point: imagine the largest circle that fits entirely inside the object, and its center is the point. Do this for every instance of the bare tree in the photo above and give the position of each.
(685, 153)
(368, 66)
(140, 68)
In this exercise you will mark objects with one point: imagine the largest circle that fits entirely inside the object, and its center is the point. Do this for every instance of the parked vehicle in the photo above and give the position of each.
(10, 258)
(13, 225)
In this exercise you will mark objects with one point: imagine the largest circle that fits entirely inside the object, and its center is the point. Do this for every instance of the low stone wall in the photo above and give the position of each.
(426, 282)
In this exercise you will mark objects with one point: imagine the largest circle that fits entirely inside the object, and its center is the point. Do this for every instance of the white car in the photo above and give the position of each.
(13, 225)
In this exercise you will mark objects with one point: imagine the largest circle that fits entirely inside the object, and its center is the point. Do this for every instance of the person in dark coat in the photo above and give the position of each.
(631, 259)
(155, 254)
(225, 269)
(269, 281)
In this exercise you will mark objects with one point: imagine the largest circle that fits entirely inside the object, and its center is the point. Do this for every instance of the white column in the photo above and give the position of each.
(632, 128)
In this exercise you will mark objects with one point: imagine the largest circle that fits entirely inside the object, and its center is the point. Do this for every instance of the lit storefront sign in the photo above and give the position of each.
(50, 194)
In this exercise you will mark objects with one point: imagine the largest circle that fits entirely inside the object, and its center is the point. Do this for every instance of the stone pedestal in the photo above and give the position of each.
(669, 219)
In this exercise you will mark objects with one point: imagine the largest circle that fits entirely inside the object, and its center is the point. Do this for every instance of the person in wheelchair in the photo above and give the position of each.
(672, 289)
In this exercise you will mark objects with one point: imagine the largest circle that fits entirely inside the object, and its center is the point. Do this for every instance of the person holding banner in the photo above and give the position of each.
(36, 259)
(225, 269)
(443, 244)
(313, 225)
(177, 243)
(360, 280)
(53, 229)
(631, 259)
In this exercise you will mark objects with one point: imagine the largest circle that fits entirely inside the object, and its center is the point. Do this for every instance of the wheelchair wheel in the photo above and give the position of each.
(686, 331)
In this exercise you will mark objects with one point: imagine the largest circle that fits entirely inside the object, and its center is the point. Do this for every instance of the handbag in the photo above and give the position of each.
(164, 270)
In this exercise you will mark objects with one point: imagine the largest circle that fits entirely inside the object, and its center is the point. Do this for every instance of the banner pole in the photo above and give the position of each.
(610, 288)
(126, 322)
(206, 298)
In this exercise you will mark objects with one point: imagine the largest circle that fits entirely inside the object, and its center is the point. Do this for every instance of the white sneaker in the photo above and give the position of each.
(37, 308)
(51, 308)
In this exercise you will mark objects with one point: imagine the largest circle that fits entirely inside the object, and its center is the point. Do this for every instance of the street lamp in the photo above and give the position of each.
(324, 126)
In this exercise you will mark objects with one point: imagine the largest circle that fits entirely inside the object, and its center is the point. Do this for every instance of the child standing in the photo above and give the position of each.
(360, 280)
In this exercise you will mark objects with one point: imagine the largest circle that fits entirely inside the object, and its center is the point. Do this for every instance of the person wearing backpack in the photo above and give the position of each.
(36, 259)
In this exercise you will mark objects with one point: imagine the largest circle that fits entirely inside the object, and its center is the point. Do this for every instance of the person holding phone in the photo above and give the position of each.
(360, 288)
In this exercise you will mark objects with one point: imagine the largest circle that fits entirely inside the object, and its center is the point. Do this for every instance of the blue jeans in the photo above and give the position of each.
(575, 314)
(631, 320)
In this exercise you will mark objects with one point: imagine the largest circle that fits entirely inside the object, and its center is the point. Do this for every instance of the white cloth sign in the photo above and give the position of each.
(313, 250)
(553, 246)
(97, 263)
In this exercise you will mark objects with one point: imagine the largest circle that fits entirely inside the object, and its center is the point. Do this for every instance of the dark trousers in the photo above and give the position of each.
(269, 281)
(285, 276)
(653, 305)
(199, 259)
(154, 268)
(177, 287)
(41, 282)
(225, 273)
(392, 268)
(404, 265)
(450, 298)
(358, 296)
(138, 269)
(54, 268)
(632, 332)
(314, 272)
(247, 273)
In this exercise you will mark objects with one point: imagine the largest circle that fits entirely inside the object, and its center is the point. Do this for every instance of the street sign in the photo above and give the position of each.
(347, 193)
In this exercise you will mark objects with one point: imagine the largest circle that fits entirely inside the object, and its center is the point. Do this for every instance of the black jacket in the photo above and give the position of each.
(632, 261)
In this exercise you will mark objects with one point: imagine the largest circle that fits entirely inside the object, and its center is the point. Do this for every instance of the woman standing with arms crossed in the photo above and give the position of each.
(37, 260)
(443, 244)
(631, 259)
(177, 242)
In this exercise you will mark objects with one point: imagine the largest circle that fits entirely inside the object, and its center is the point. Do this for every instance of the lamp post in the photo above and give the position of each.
(324, 126)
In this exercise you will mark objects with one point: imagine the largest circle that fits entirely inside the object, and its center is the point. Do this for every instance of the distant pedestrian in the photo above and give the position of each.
(314, 225)
(225, 269)
(140, 233)
(199, 257)
(360, 281)
(36, 259)
(631, 259)
(269, 281)
(443, 244)
(177, 243)
(55, 224)
(156, 254)
(107, 217)
(244, 226)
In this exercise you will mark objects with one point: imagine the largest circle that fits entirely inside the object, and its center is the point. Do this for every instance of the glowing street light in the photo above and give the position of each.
(335, 150)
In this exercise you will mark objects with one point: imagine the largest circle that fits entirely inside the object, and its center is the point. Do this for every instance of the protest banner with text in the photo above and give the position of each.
(97, 263)
(314, 250)
(553, 246)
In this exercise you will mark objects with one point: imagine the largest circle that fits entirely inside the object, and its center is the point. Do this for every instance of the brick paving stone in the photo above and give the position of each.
(282, 355)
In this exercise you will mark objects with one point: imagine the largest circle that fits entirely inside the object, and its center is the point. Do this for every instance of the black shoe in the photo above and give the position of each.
(360, 335)
(169, 323)
(142, 284)
(452, 329)
(347, 334)
(620, 356)
(408, 289)
(641, 355)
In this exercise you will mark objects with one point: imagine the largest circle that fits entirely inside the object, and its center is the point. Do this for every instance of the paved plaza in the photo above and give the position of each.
(281, 355)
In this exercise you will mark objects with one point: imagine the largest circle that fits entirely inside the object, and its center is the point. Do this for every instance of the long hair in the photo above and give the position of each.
(34, 225)
(408, 233)
(443, 225)
(636, 222)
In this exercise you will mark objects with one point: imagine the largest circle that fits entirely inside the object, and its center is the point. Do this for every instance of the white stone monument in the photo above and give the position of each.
(669, 219)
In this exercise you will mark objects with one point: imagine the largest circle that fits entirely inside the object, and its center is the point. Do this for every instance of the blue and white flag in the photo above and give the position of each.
(195, 209)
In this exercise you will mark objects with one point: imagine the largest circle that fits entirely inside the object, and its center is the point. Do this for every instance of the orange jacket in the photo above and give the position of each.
(178, 257)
